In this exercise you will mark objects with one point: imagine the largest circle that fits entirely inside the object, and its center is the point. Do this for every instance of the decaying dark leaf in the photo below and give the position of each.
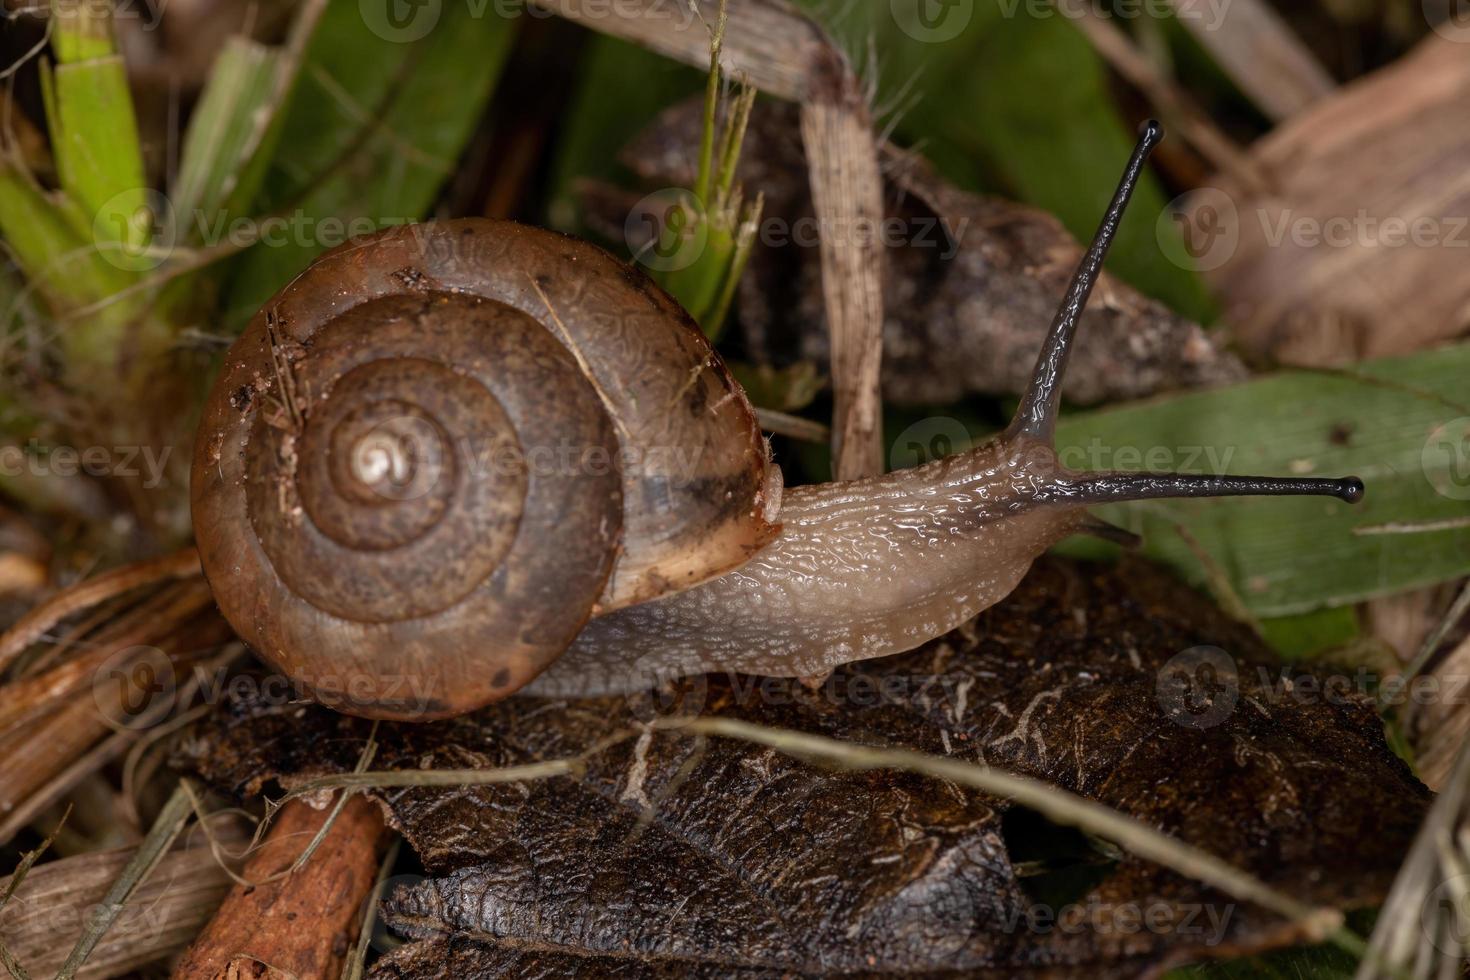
(676, 856)
(972, 281)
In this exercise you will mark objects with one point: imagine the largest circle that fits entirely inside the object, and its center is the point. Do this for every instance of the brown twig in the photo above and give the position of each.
(42, 756)
(28, 697)
(301, 924)
(848, 197)
(63, 782)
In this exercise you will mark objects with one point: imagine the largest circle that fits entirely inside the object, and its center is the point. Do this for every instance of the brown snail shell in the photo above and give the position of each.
(441, 449)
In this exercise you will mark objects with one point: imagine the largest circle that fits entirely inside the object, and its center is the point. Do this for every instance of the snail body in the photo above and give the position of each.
(458, 459)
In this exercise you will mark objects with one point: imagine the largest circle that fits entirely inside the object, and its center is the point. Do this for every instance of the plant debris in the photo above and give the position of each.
(972, 282)
(1358, 249)
(679, 856)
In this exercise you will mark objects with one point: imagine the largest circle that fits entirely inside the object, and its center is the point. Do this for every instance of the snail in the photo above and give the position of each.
(460, 459)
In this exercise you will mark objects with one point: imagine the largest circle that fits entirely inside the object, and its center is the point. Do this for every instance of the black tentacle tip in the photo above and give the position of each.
(1151, 133)
(1350, 490)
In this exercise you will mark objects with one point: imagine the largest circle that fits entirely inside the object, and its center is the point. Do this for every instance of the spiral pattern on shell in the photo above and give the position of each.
(412, 487)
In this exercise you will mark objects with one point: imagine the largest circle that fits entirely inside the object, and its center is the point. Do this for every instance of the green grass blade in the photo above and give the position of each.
(94, 130)
(97, 147)
(1401, 424)
(58, 261)
(81, 30)
(371, 133)
(224, 130)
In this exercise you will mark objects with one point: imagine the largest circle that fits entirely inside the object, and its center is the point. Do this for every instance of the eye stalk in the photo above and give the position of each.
(1036, 417)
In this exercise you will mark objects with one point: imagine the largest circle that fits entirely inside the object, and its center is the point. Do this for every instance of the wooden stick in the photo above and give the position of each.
(51, 791)
(303, 923)
(847, 192)
(41, 757)
(34, 760)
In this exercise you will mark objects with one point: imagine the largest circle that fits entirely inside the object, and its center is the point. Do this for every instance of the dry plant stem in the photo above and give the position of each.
(786, 54)
(22, 815)
(91, 592)
(45, 757)
(1260, 53)
(42, 756)
(768, 41)
(1316, 924)
(43, 656)
(356, 963)
(792, 426)
(1451, 619)
(28, 860)
(1115, 47)
(162, 915)
(1413, 527)
(1404, 937)
(1440, 728)
(24, 699)
(140, 865)
(384, 779)
(847, 194)
(363, 761)
(302, 924)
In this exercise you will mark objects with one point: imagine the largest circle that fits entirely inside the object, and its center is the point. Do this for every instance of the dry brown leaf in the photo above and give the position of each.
(672, 856)
(1359, 249)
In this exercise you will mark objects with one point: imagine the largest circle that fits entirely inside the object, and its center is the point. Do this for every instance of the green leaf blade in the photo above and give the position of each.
(1295, 555)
